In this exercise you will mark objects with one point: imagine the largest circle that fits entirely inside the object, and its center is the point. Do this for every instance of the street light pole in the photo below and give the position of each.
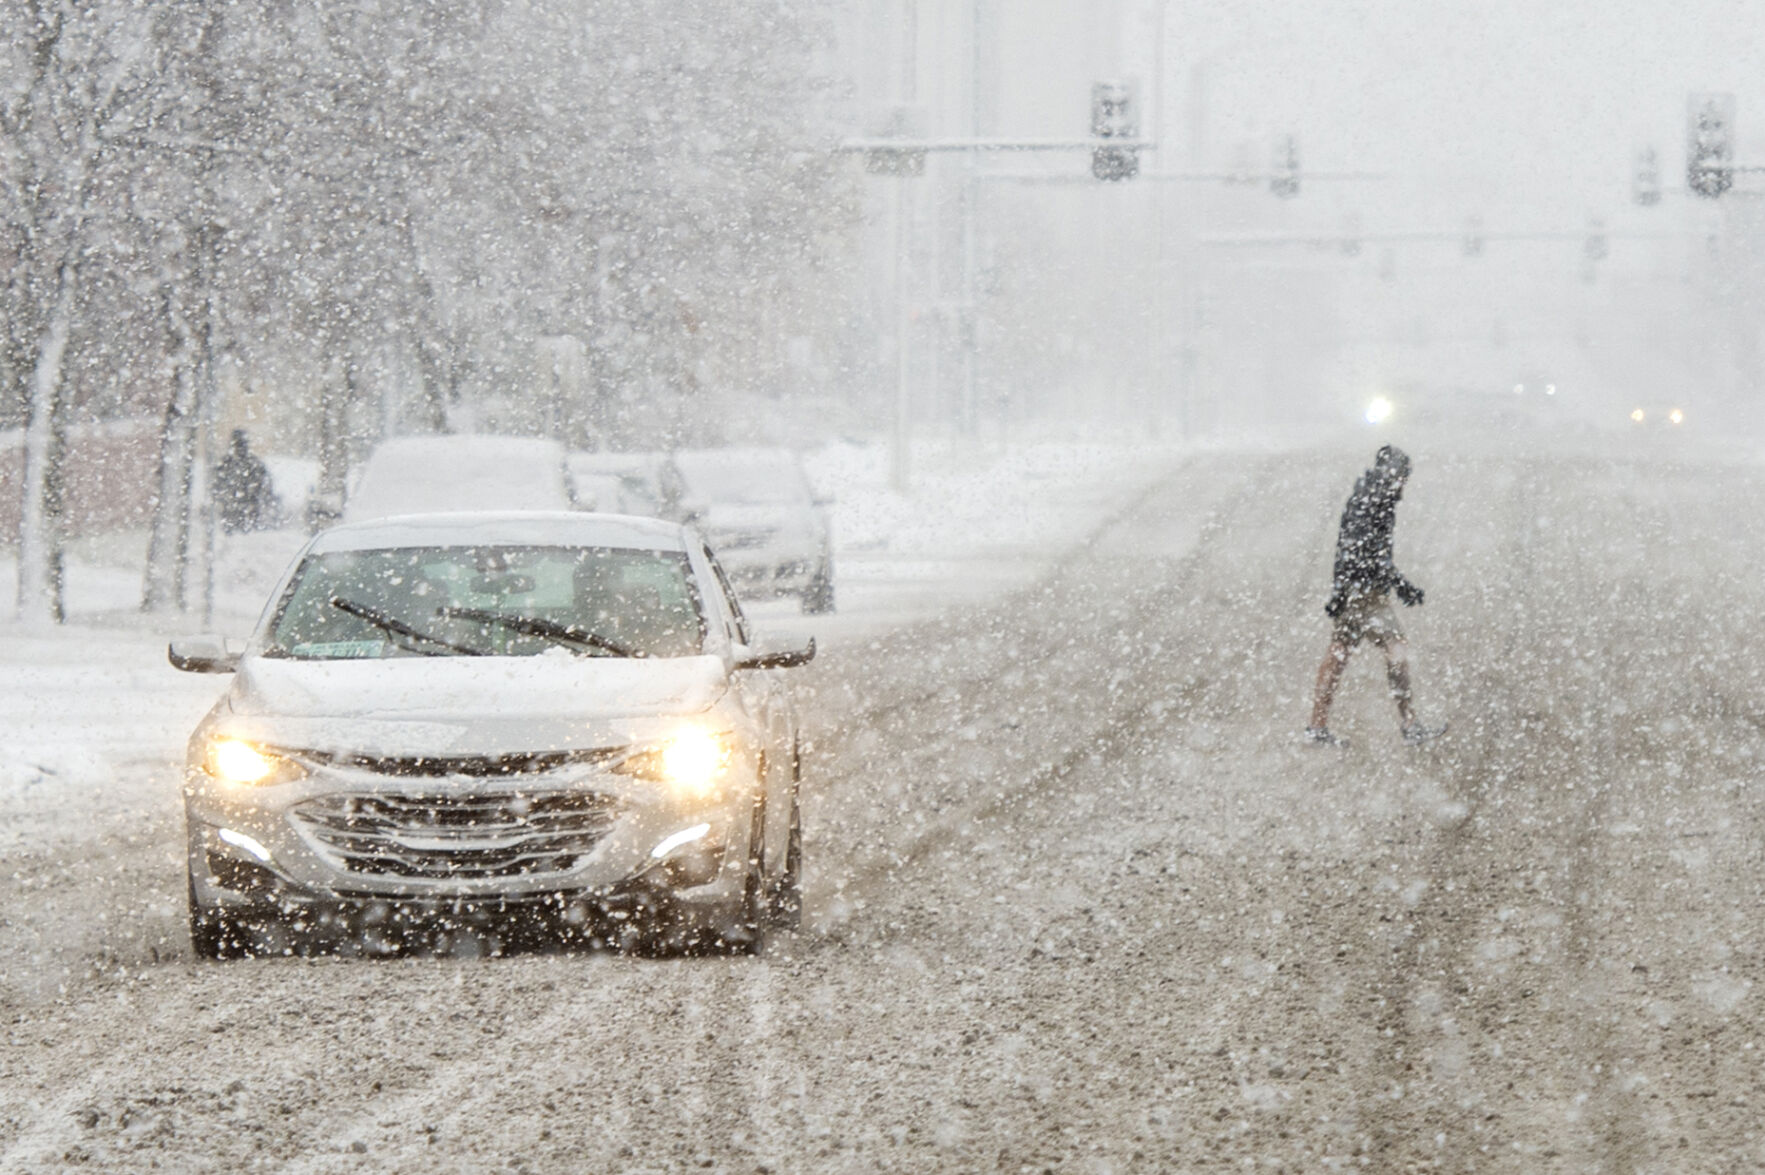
(968, 421)
(900, 471)
(1160, 314)
(907, 90)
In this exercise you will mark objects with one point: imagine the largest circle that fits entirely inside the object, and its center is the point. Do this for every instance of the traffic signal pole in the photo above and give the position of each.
(968, 411)
(1160, 271)
(900, 461)
(904, 158)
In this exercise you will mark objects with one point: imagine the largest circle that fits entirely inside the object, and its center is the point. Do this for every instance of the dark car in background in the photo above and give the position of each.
(757, 509)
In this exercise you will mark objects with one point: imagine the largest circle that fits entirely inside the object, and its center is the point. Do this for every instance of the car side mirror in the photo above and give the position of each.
(202, 654)
(765, 654)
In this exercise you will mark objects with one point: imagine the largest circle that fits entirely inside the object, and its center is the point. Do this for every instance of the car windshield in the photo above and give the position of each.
(502, 601)
(743, 478)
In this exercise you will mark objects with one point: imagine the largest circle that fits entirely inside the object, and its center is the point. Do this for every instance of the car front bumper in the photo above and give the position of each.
(764, 574)
(357, 848)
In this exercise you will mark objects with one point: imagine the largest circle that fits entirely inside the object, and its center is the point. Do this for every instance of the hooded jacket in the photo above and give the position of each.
(1363, 542)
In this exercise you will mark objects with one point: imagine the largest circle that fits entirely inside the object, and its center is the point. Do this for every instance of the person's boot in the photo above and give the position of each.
(1318, 736)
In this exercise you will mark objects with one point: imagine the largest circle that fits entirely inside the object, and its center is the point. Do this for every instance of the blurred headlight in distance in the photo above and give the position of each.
(1637, 416)
(1676, 416)
(235, 761)
(691, 762)
(1519, 389)
(1550, 389)
(1379, 410)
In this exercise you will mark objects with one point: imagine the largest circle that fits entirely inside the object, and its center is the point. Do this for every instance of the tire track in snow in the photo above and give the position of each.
(1436, 966)
(1126, 721)
(1436, 924)
(936, 631)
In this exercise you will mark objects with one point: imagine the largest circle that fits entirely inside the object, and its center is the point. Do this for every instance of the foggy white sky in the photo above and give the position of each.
(1476, 105)
(1524, 114)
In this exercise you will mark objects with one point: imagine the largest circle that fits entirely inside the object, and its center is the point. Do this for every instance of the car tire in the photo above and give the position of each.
(785, 901)
(748, 935)
(818, 596)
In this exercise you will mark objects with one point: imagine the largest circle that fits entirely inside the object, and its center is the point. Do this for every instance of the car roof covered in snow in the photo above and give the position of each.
(606, 461)
(538, 528)
(462, 471)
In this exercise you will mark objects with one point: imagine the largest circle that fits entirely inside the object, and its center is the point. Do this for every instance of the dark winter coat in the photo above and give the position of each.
(1363, 542)
(243, 492)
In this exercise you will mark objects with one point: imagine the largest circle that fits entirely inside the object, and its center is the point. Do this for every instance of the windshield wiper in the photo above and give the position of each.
(540, 627)
(392, 626)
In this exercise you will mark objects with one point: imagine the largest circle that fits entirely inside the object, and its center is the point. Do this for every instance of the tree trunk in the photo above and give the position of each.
(435, 367)
(168, 548)
(334, 396)
(39, 538)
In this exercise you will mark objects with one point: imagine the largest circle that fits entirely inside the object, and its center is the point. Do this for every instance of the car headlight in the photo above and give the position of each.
(692, 762)
(242, 764)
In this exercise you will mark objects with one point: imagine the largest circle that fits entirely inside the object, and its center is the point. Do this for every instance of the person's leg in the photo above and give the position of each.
(1397, 675)
(1329, 674)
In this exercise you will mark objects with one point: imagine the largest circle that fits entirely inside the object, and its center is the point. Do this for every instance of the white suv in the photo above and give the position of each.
(541, 721)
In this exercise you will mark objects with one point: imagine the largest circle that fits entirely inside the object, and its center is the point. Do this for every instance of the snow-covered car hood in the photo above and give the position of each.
(467, 705)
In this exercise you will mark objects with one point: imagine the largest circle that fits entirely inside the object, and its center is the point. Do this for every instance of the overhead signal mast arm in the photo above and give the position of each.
(1330, 240)
(862, 146)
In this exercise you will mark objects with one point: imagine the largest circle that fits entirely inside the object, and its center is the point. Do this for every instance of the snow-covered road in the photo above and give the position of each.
(1078, 900)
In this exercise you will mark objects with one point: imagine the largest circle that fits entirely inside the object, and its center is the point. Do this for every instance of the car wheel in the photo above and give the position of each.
(818, 596)
(214, 935)
(748, 934)
(785, 902)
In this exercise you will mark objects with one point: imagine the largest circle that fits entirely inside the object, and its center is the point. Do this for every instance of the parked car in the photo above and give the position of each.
(419, 475)
(605, 493)
(520, 721)
(647, 483)
(760, 515)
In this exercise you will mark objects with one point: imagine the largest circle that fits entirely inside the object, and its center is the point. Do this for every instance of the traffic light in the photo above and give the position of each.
(1284, 168)
(1709, 143)
(1115, 114)
(1645, 178)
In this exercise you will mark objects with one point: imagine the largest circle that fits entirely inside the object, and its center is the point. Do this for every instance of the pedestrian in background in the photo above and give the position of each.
(1360, 598)
(243, 493)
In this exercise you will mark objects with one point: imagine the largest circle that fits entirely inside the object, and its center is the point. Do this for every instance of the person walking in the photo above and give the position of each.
(242, 488)
(1360, 599)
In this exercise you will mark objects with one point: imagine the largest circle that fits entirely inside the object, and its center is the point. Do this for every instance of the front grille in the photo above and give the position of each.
(459, 837)
(529, 763)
